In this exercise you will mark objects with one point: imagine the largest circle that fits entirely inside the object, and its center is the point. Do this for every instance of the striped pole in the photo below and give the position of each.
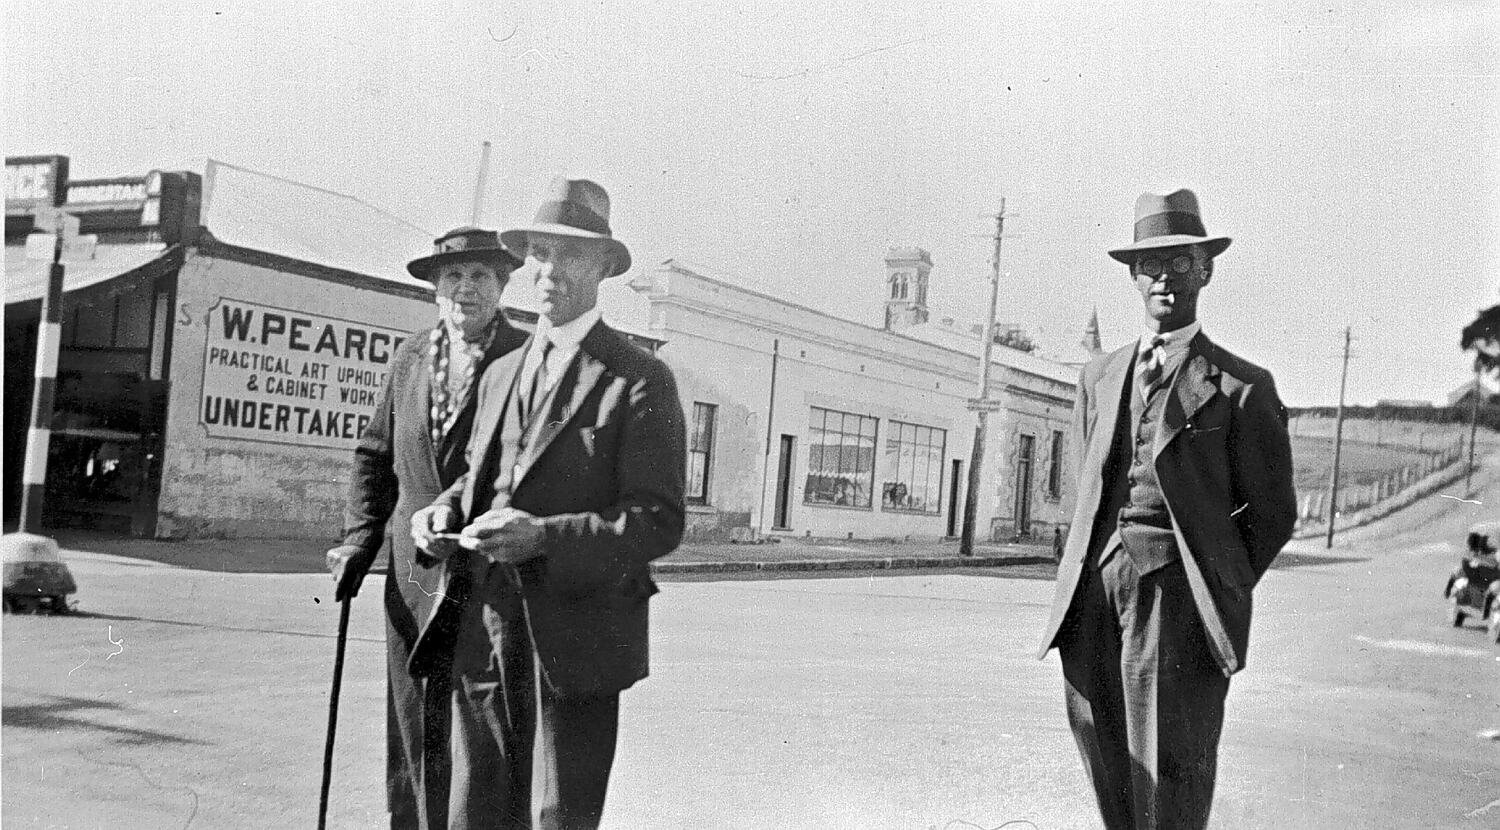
(48, 341)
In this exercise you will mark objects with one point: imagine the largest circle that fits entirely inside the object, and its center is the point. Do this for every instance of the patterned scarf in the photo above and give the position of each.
(446, 404)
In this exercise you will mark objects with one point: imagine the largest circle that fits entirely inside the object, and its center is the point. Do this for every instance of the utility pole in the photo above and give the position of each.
(1338, 440)
(765, 467)
(1473, 434)
(982, 404)
(44, 389)
(484, 172)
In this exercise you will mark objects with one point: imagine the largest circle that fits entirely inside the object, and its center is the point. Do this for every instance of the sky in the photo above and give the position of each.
(1349, 149)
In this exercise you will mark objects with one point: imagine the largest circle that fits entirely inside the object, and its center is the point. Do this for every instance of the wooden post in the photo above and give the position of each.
(1338, 438)
(976, 458)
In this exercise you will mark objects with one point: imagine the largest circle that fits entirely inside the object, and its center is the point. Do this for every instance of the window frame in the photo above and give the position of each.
(933, 470)
(818, 429)
(1055, 471)
(707, 452)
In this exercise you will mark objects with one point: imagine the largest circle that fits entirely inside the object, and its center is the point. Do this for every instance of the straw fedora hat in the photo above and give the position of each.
(578, 208)
(1166, 222)
(465, 244)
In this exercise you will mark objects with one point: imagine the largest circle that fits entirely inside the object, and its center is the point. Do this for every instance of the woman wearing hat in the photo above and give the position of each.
(412, 450)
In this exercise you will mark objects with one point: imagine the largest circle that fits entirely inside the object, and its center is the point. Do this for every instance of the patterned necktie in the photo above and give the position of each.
(538, 390)
(1152, 360)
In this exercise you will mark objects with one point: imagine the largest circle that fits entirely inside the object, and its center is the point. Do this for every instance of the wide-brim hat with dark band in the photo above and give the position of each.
(466, 244)
(578, 208)
(1166, 222)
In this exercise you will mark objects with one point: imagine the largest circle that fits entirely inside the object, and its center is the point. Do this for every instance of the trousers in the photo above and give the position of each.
(517, 744)
(1145, 698)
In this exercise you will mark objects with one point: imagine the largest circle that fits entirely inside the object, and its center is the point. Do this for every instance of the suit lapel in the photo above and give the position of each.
(488, 424)
(1193, 385)
(420, 396)
(585, 372)
(1112, 385)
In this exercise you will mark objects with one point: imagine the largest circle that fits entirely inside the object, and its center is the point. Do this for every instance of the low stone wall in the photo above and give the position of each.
(705, 524)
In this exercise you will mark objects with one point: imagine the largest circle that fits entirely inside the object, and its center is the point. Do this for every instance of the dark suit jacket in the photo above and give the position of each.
(398, 471)
(604, 468)
(1224, 462)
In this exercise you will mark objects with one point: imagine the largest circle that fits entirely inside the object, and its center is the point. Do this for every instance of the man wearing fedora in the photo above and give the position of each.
(575, 484)
(411, 451)
(1185, 496)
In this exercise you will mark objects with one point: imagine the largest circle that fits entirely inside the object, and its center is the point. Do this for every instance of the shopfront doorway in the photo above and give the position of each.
(109, 410)
(1025, 462)
(784, 483)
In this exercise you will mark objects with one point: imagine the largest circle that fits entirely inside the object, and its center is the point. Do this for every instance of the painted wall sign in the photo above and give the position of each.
(124, 192)
(291, 377)
(34, 181)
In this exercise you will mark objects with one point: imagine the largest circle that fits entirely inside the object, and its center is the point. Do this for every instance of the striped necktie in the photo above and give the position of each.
(1153, 358)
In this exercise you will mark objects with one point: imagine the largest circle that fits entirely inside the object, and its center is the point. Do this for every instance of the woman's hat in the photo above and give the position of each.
(465, 244)
(578, 208)
(1166, 222)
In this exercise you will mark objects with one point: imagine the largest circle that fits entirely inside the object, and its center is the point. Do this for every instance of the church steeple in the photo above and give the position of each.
(906, 271)
(1091, 340)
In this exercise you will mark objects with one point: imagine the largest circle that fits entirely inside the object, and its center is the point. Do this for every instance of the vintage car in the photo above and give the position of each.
(1474, 586)
(35, 574)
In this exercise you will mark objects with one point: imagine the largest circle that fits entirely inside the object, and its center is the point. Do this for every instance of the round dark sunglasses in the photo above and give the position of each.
(1153, 267)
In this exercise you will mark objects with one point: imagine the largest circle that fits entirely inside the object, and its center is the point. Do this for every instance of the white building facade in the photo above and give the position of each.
(805, 424)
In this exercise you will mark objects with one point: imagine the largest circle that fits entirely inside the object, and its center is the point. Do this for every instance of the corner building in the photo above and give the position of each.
(801, 423)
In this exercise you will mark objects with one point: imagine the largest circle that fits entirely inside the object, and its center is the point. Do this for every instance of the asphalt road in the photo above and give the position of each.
(189, 698)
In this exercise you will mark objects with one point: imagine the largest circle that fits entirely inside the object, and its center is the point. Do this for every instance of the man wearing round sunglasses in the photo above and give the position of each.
(1185, 496)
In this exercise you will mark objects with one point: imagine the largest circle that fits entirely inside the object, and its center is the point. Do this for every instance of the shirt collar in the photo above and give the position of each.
(569, 335)
(1172, 341)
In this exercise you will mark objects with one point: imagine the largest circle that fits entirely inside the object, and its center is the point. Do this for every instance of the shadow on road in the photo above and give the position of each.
(59, 713)
(237, 556)
(213, 627)
(1045, 570)
(1301, 560)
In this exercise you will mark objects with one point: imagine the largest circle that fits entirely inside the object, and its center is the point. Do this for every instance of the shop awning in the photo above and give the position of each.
(267, 213)
(26, 279)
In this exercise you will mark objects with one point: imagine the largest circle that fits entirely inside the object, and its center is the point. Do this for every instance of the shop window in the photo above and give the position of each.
(122, 322)
(1055, 464)
(701, 451)
(841, 458)
(94, 325)
(133, 321)
(914, 468)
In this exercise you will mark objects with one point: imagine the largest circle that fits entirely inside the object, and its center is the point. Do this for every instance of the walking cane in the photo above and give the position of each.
(333, 711)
